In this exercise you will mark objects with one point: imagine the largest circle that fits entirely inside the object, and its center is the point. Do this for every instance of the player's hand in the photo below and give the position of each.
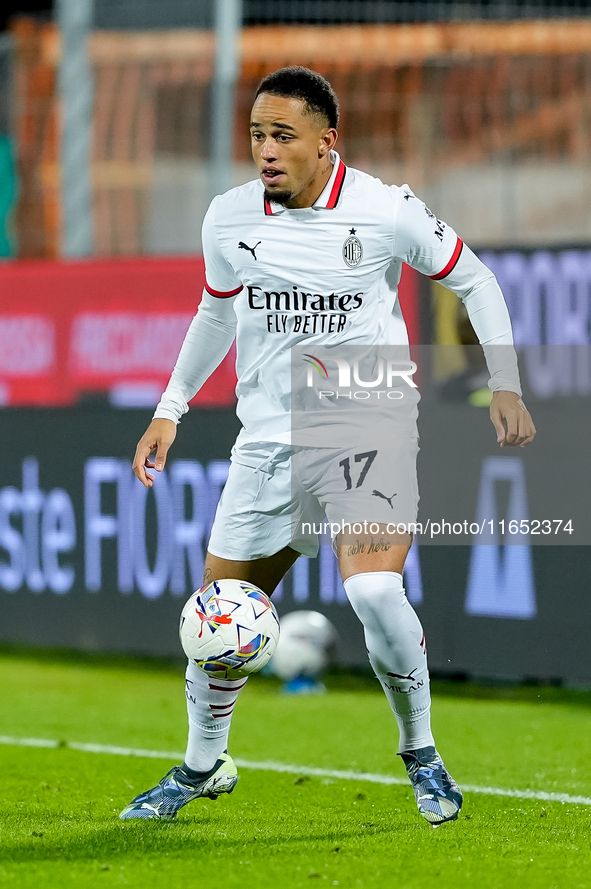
(511, 419)
(158, 437)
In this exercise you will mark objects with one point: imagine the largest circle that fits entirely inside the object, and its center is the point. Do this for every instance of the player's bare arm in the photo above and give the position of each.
(158, 437)
(511, 419)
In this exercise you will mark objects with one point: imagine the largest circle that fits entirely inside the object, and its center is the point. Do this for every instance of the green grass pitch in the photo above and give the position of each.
(59, 807)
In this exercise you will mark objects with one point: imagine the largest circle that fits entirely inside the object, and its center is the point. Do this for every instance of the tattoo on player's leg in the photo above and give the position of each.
(377, 546)
(356, 548)
(371, 546)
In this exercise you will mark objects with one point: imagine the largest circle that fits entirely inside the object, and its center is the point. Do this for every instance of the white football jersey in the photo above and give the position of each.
(314, 276)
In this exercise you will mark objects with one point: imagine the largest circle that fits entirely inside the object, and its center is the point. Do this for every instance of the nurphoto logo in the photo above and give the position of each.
(386, 371)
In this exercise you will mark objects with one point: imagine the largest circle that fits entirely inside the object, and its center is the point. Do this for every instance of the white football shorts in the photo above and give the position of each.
(278, 496)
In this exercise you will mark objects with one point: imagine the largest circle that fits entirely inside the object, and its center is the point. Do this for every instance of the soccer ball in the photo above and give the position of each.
(229, 628)
(304, 648)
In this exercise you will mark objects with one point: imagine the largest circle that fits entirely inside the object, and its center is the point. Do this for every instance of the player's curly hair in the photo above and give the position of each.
(302, 83)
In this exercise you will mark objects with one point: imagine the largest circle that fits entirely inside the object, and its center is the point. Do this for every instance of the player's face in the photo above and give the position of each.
(291, 150)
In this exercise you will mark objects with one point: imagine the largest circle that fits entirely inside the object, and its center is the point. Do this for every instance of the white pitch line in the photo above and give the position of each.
(543, 795)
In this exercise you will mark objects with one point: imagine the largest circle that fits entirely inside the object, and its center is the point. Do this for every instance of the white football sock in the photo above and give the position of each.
(210, 703)
(396, 647)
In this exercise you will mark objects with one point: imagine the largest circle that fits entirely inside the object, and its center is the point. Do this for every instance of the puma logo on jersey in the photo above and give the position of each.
(243, 246)
(383, 496)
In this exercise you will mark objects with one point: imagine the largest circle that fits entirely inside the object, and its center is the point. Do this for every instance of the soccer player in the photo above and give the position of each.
(299, 257)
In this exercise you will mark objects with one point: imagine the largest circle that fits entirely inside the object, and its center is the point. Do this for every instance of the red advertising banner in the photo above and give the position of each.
(73, 330)
(70, 329)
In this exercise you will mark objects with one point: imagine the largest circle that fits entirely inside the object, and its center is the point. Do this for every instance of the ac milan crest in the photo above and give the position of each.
(352, 250)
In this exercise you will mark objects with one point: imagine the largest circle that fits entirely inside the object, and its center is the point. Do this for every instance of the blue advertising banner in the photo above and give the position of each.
(91, 560)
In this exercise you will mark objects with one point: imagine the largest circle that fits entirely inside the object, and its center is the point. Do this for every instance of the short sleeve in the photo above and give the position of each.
(422, 240)
(220, 279)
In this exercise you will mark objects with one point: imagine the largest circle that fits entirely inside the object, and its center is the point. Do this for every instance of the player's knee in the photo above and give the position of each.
(374, 593)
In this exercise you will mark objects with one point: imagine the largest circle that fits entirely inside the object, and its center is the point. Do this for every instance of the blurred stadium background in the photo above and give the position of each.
(110, 150)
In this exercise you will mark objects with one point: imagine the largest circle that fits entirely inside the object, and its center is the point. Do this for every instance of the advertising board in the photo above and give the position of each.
(90, 560)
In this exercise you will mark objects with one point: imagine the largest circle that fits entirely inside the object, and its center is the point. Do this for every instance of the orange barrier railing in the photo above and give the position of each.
(417, 100)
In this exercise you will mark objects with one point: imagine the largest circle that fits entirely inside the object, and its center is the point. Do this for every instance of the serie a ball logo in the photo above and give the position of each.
(352, 251)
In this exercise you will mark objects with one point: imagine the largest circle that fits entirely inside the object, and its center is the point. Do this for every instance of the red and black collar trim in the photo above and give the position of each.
(337, 187)
(333, 198)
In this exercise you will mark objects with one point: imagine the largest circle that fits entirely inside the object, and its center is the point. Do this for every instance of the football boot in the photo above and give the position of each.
(438, 796)
(177, 789)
